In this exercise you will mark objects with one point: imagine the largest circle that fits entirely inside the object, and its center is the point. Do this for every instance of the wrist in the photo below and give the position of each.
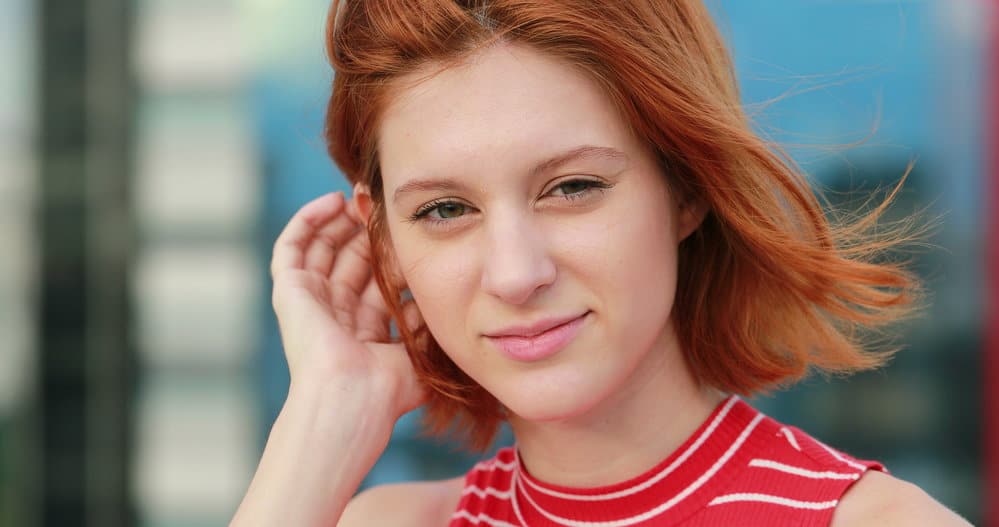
(340, 412)
(322, 445)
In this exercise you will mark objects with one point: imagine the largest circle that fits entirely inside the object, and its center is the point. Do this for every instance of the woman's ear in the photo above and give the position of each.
(360, 209)
(691, 212)
(361, 204)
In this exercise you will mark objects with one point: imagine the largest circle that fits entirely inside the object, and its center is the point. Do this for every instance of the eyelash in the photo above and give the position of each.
(423, 213)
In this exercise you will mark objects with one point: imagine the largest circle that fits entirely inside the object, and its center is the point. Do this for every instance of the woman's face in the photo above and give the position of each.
(517, 198)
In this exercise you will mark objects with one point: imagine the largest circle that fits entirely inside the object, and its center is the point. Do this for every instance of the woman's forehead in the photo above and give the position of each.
(511, 104)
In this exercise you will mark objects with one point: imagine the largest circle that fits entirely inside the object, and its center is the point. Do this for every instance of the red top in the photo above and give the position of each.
(739, 467)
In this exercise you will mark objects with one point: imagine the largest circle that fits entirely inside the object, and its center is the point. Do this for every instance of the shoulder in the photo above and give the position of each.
(880, 499)
(416, 504)
(872, 497)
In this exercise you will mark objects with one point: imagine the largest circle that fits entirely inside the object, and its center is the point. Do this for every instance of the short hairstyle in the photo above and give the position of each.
(769, 288)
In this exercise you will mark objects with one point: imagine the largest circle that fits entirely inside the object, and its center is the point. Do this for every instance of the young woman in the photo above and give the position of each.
(597, 250)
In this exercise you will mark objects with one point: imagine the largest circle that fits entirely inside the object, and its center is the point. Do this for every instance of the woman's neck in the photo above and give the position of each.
(649, 417)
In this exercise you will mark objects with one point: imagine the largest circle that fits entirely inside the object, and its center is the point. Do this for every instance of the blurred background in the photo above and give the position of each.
(152, 150)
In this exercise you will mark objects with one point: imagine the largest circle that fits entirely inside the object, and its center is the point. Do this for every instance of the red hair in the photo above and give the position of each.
(768, 287)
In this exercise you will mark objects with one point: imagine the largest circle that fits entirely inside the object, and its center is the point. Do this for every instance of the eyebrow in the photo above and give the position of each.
(552, 163)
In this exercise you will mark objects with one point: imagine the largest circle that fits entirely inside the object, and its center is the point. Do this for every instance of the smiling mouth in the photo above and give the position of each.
(539, 345)
(534, 329)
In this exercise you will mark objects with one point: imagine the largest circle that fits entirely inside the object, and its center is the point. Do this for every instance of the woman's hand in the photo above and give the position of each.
(333, 320)
(348, 384)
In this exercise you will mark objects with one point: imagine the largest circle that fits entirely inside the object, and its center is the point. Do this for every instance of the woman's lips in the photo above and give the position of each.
(542, 345)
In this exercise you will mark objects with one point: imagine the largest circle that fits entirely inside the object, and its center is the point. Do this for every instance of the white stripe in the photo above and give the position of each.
(654, 479)
(482, 518)
(790, 437)
(776, 500)
(836, 455)
(495, 463)
(798, 471)
(489, 491)
(514, 482)
(662, 507)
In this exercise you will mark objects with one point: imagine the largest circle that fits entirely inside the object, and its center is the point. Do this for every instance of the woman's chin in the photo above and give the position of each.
(558, 403)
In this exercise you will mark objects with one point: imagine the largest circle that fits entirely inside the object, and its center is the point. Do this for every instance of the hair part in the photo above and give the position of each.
(768, 287)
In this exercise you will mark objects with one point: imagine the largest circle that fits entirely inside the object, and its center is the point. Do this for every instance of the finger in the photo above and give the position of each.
(412, 392)
(351, 268)
(321, 251)
(353, 212)
(373, 316)
(412, 316)
(291, 244)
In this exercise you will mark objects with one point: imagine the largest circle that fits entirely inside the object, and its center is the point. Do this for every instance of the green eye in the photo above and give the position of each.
(450, 210)
(575, 187)
(439, 211)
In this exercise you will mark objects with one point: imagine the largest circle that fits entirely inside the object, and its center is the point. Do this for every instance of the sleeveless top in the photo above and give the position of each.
(739, 467)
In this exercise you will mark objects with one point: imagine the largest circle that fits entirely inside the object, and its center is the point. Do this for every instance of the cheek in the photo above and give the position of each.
(639, 266)
(441, 278)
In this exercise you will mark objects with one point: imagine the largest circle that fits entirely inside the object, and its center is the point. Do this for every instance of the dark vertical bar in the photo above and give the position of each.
(991, 181)
(62, 299)
(84, 238)
(110, 367)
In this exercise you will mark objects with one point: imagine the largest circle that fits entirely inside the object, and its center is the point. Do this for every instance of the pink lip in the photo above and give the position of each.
(539, 340)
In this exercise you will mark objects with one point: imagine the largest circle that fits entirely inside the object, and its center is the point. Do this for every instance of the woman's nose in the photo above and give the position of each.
(516, 260)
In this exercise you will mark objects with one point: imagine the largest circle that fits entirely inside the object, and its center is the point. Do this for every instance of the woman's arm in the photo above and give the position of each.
(323, 443)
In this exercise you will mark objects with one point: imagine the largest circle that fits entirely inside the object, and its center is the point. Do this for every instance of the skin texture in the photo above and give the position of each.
(880, 499)
(514, 244)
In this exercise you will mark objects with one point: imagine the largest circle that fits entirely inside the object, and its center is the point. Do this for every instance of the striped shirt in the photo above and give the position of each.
(739, 468)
